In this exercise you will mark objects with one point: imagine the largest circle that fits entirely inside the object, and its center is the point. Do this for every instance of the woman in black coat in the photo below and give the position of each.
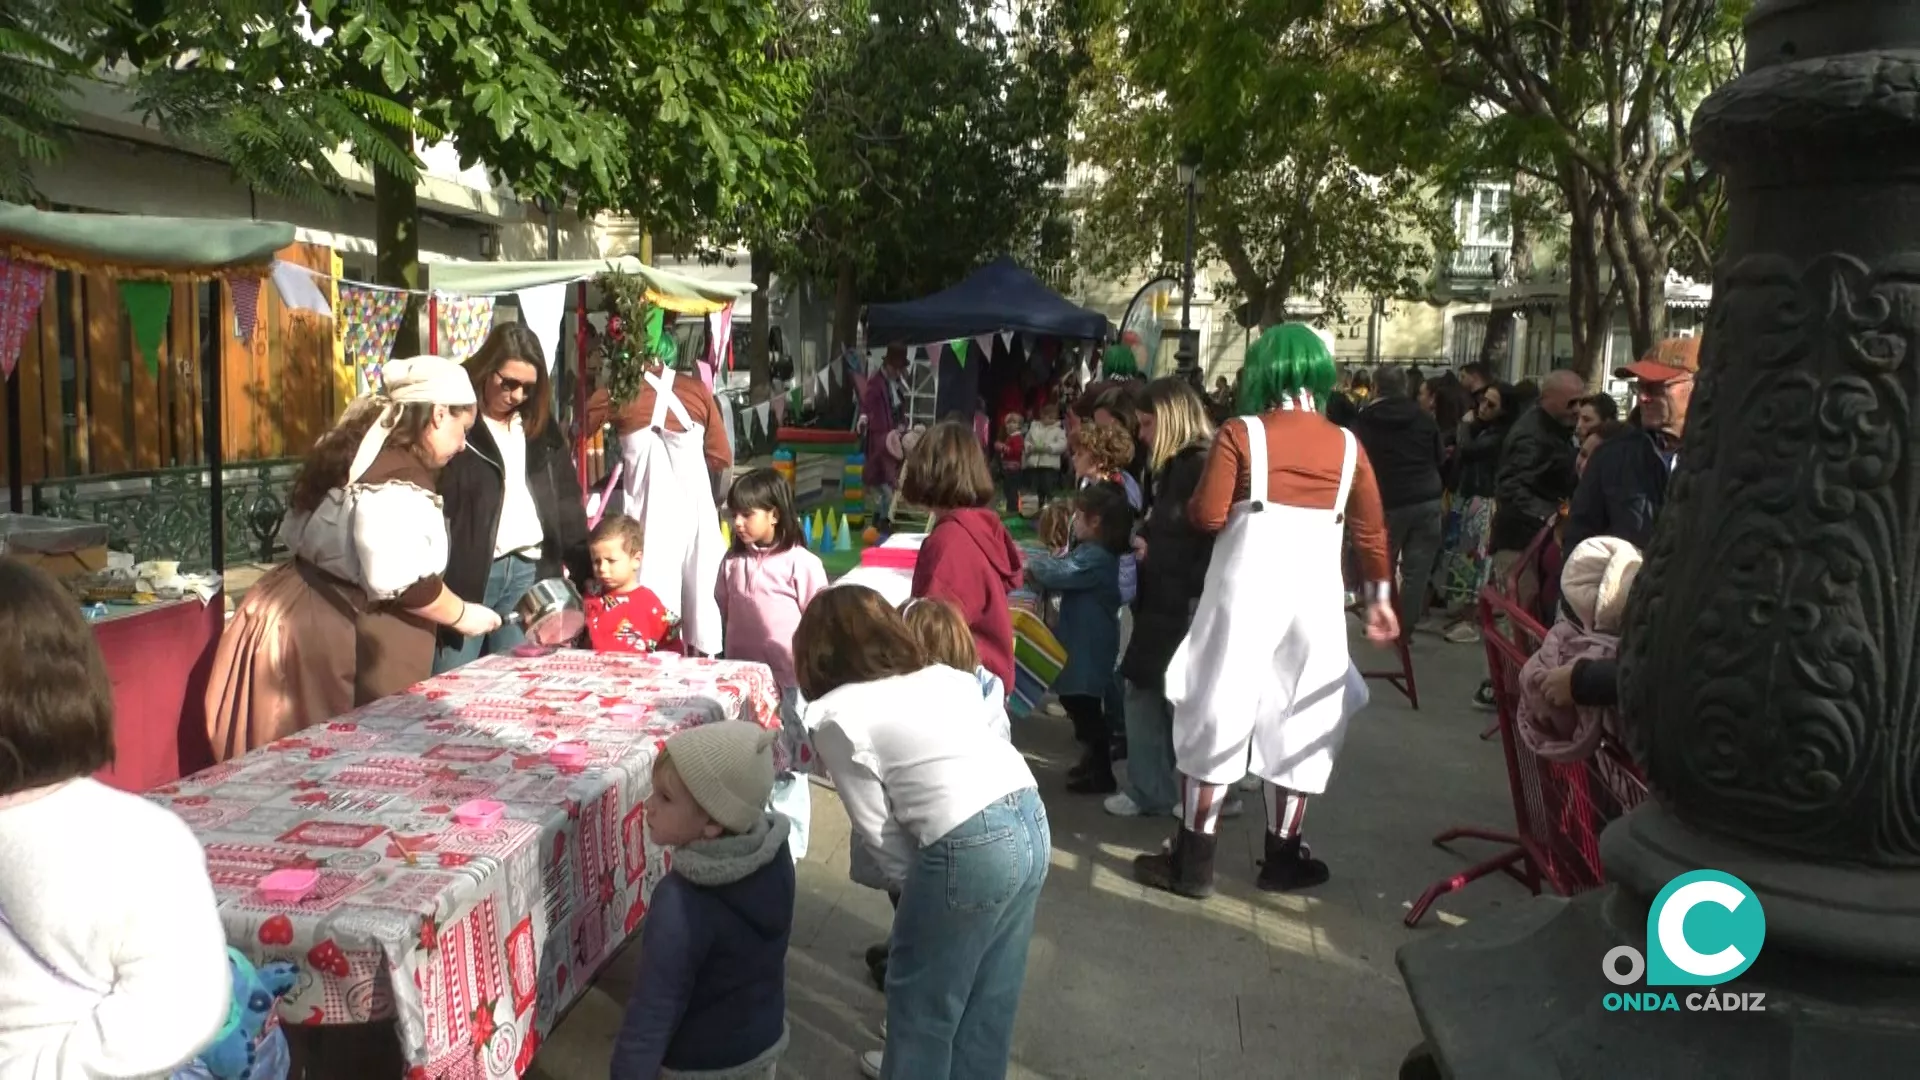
(1173, 570)
(512, 498)
(1478, 457)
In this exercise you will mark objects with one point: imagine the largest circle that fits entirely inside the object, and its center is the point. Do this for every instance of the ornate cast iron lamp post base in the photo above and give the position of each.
(1771, 664)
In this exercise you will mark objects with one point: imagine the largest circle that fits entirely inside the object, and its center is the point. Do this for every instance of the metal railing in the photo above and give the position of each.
(166, 513)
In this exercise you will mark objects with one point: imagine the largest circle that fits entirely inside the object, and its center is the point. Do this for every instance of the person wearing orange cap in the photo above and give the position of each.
(1625, 483)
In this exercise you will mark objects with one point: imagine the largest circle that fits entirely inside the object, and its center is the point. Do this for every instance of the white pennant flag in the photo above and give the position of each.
(763, 413)
(823, 380)
(985, 341)
(1006, 340)
(726, 417)
(541, 308)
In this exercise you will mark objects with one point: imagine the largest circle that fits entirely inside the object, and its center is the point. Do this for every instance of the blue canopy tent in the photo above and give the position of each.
(999, 296)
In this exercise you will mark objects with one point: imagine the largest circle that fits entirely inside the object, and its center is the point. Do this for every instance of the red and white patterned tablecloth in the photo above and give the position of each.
(472, 939)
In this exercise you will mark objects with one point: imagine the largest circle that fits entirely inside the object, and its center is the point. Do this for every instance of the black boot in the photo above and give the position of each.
(1186, 869)
(1089, 757)
(1289, 866)
(1098, 777)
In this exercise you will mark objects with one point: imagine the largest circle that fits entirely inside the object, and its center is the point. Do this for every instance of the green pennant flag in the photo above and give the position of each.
(656, 325)
(959, 347)
(148, 305)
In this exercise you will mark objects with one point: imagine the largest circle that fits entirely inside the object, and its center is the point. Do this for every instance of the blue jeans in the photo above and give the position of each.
(960, 944)
(508, 579)
(1151, 782)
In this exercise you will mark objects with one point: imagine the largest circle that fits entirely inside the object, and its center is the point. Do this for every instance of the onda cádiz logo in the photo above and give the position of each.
(1704, 929)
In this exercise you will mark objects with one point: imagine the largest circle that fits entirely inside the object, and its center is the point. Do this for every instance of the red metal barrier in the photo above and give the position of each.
(1559, 808)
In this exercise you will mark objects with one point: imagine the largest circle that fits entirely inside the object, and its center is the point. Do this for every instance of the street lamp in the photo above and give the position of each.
(1188, 355)
(551, 208)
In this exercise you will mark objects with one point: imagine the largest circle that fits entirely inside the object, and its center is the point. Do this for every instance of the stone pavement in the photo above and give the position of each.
(1126, 982)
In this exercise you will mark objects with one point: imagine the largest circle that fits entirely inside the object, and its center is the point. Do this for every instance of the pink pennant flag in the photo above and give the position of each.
(246, 306)
(22, 284)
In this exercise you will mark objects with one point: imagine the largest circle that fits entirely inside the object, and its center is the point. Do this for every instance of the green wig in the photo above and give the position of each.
(1288, 360)
(1118, 362)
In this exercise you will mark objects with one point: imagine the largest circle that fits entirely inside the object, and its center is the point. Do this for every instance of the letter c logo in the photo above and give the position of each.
(1673, 933)
(1703, 929)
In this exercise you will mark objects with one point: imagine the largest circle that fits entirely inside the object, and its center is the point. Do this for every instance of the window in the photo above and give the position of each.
(1481, 217)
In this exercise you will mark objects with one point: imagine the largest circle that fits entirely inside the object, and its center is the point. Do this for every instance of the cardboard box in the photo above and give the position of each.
(62, 548)
(66, 564)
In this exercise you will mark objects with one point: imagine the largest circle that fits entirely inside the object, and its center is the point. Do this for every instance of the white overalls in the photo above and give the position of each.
(669, 492)
(1266, 663)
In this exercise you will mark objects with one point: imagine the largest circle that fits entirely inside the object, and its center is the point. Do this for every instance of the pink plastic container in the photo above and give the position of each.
(568, 755)
(479, 813)
(290, 885)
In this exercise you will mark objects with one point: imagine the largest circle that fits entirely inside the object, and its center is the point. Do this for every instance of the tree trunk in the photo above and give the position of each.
(396, 238)
(1641, 266)
(846, 307)
(1589, 299)
(759, 356)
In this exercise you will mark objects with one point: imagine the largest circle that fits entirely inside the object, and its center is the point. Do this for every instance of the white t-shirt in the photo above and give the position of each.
(112, 959)
(912, 757)
(519, 518)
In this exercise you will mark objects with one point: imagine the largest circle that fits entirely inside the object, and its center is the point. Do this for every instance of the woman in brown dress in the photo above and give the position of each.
(352, 617)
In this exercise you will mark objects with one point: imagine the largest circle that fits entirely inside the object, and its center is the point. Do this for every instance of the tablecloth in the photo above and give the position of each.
(157, 658)
(473, 939)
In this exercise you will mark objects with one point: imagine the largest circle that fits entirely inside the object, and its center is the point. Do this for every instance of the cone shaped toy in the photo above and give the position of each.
(819, 525)
(845, 540)
(806, 530)
(726, 534)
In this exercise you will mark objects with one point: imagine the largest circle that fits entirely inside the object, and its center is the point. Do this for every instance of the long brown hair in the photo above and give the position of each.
(850, 634)
(327, 463)
(947, 470)
(56, 704)
(505, 343)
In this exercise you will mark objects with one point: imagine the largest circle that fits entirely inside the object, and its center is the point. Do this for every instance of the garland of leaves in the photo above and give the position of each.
(636, 336)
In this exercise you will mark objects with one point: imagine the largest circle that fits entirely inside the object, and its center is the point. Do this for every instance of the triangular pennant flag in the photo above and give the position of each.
(959, 347)
(299, 291)
(22, 285)
(542, 308)
(1006, 340)
(985, 341)
(726, 417)
(763, 413)
(148, 305)
(246, 306)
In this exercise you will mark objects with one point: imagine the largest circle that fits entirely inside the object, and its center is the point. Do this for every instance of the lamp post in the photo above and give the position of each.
(552, 209)
(1188, 356)
(1765, 667)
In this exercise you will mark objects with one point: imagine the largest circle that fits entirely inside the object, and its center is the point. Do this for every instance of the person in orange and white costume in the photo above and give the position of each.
(1263, 682)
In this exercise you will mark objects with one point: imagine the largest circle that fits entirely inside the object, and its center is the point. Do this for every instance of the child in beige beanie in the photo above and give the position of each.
(1593, 601)
(709, 1000)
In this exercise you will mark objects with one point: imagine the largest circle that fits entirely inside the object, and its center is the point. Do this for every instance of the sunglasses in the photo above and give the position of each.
(511, 385)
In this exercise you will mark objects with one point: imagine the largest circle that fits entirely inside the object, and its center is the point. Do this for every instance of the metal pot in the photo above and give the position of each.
(550, 613)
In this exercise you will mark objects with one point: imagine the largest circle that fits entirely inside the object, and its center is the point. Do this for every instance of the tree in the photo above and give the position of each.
(1287, 108)
(43, 47)
(655, 111)
(938, 132)
(1606, 84)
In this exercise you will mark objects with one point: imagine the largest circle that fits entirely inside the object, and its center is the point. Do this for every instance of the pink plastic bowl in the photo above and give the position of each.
(568, 755)
(479, 813)
(289, 885)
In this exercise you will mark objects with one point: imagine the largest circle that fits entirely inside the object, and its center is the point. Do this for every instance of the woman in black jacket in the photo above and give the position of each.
(512, 498)
(1173, 569)
(1478, 456)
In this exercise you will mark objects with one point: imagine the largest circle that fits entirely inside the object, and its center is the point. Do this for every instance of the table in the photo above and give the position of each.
(474, 940)
(158, 657)
(893, 584)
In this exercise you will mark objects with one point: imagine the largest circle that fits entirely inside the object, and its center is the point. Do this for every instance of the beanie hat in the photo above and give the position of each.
(1595, 581)
(728, 769)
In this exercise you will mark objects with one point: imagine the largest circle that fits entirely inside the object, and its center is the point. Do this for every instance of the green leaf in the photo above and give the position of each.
(394, 65)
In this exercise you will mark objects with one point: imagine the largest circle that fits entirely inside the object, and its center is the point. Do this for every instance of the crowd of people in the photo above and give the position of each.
(1203, 557)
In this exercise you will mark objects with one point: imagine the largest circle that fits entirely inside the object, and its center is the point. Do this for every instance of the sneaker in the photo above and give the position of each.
(1233, 807)
(870, 1063)
(1122, 805)
(1432, 626)
(1463, 633)
(1483, 698)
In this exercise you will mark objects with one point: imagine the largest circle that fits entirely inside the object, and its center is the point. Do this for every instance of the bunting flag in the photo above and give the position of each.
(763, 415)
(985, 341)
(372, 318)
(245, 292)
(1006, 340)
(726, 418)
(541, 308)
(720, 337)
(300, 291)
(779, 406)
(22, 285)
(462, 323)
(148, 304)
(959, 347)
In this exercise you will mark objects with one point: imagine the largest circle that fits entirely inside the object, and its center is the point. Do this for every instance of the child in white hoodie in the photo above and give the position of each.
(943, 633)
(1046, 449)
(112, 958)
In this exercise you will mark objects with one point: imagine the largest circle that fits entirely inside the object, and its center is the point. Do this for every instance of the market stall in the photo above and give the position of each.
(465, 856)
(156, 628)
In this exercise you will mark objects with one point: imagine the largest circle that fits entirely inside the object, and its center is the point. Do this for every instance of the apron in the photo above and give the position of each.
(1265, 665)
(669, 492)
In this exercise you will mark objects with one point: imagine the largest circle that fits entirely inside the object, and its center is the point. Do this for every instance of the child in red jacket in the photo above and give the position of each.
(968, 559)
(1012, 449)
(625, 616)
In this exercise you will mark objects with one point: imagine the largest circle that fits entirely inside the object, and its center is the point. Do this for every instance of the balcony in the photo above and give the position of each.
(1474, 262)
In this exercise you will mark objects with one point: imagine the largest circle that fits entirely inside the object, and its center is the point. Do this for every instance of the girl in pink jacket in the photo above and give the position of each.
(767, 579)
